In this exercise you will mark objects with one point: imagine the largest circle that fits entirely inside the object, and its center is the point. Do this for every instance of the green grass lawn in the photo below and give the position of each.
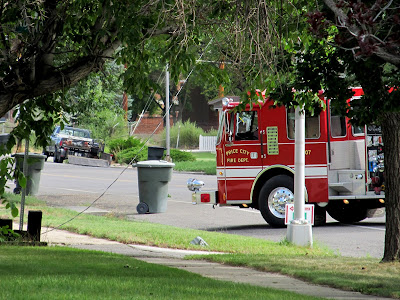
(318, 264)
(204, 156)
(205, 162)
(65, 273)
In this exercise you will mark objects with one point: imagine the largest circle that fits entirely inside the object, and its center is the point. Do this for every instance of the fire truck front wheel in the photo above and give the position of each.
(274, 195)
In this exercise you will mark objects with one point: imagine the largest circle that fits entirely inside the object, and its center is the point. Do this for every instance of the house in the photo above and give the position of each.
(203, 114)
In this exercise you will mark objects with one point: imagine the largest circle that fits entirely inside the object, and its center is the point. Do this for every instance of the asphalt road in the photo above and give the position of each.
(115, 190)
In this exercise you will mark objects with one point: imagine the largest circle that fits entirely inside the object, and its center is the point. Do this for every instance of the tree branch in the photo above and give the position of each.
(388, 57)
(55, 80)
(362, 35)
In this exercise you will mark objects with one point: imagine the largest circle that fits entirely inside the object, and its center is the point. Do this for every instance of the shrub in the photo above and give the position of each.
(126, 150)
(188, 135)
(131, 155)
(120, 144)
(178, 155)
(212, 132)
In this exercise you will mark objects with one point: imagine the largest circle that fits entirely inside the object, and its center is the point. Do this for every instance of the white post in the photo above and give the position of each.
(167, 125)
(299, 231)
(299, 164)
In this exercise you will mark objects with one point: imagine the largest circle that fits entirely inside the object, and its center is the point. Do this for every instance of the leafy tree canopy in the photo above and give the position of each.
(48, 46)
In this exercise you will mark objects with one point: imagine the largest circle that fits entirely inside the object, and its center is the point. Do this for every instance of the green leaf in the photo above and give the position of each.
(4, 229)
(14, 211)
(22, 180)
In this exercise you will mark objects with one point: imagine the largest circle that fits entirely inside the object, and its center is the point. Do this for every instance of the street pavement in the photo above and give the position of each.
(175, 258)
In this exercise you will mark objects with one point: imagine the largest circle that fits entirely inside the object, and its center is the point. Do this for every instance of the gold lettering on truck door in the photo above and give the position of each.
(272, 140)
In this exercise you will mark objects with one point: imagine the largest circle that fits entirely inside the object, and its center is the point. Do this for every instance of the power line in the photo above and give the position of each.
(133, 159)
(147, 105)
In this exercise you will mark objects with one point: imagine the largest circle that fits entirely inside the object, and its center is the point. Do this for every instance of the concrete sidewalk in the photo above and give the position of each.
(175, 258)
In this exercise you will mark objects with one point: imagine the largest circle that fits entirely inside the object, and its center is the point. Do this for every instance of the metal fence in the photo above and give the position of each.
(207, 143)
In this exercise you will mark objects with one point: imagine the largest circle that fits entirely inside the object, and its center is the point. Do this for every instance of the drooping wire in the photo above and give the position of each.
(133, 159)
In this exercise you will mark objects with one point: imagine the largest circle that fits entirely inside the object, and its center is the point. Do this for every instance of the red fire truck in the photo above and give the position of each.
(344, 172)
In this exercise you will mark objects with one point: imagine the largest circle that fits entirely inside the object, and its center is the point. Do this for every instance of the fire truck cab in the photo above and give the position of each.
(255, 163)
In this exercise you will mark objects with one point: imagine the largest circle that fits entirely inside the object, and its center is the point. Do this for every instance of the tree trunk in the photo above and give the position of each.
(391, 139)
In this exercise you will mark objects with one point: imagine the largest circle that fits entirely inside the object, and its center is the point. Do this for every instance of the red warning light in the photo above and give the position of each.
(205, 198)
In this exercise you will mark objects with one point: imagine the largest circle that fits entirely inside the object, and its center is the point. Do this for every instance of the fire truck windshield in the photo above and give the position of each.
(246, 125)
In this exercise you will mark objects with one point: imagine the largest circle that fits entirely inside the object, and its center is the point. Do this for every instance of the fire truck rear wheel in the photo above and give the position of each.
(274, 195)
(347, 213)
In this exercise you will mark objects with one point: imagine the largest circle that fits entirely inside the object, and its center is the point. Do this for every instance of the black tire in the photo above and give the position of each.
(45, 153)
(347, 213)
(57, 156)
(56, 159)
(319, 215)
(274, 195)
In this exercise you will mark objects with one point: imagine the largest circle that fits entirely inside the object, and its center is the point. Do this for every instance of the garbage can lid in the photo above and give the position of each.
(154, 164)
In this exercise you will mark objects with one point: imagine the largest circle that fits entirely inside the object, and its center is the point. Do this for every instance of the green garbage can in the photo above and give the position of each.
(153, 178)
(3, 140)
(35, 166)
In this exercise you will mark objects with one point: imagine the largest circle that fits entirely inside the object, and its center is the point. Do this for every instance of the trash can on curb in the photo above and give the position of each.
(4, 139)
(153, 178)
(35, 166)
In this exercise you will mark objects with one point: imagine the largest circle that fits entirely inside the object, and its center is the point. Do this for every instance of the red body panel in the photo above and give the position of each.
(241, 162)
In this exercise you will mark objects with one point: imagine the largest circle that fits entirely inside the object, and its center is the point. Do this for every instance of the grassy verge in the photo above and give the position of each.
(65, 273)
(146, 233)
(205, 162)
(317, 265)
(364, 275)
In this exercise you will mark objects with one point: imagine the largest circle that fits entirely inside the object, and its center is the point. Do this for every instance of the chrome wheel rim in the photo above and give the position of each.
(278, 199)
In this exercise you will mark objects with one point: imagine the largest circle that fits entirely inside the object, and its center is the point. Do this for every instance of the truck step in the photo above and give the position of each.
(342, 187)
